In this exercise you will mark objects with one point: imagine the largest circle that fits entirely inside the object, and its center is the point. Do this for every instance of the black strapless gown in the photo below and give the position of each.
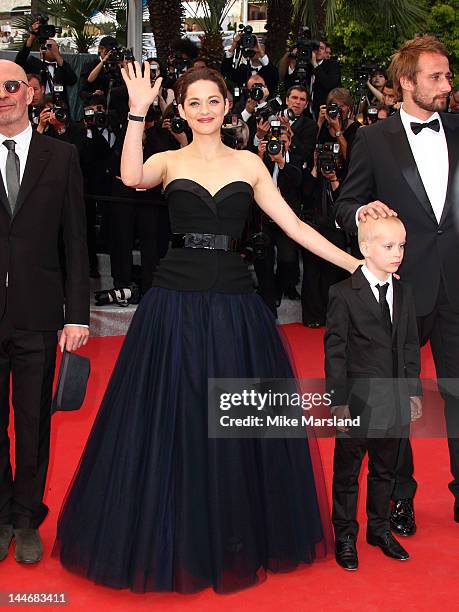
(155, 504)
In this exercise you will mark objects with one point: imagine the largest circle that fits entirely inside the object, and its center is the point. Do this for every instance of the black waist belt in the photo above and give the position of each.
(218, 242)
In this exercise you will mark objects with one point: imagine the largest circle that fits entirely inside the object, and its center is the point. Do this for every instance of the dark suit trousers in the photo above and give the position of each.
(270, 284)
(441, 328)
(347, 463)
(27, 358)
(126, 218)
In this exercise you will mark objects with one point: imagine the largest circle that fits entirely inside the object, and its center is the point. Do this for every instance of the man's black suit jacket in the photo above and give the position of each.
(243, 72)
(50, 202)
(327, 76)
(360, 354)
(304, 139)
(382, 167)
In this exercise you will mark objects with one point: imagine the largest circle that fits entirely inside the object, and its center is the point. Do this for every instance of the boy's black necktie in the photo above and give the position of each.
(384, 306)
(12, 173)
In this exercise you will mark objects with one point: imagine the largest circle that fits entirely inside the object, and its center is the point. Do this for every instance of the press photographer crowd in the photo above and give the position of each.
(295, 115)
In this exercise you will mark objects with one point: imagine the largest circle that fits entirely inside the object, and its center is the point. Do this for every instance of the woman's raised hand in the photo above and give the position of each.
(141, 92)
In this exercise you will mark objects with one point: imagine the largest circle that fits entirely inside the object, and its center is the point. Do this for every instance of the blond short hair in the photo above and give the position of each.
(370, 229)
(404, 63)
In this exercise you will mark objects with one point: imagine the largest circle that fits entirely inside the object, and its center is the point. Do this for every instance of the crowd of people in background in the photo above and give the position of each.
(295, 115)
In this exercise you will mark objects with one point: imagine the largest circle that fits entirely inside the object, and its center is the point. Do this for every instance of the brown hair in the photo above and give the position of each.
(341, 96)
(299, 88)
(404, 63)
(199, 74)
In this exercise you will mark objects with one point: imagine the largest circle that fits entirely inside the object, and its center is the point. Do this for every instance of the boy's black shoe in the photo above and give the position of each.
(402, 517)
(346, 553)
(389, 545)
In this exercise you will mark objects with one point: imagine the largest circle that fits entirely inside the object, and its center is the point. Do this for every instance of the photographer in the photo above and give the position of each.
(54, 121)
(249, 61)
(249, 107)
(321, 75)
(285, 169)
(101, 133)
(36, 106)
(389, 97)
(320, 191)
(52, 68)
(141, 213)
(304, 128)
(336, 121)
(94, 77)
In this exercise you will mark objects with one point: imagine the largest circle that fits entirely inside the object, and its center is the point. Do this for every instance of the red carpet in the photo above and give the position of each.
(428, 581)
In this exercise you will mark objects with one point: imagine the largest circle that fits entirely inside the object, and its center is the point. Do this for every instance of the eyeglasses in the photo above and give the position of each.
(13, 87)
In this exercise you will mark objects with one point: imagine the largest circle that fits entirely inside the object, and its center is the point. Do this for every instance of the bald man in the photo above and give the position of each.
(41, 198)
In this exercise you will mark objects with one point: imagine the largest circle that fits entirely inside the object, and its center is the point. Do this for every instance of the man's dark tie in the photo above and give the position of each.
(12, 173)
(418, 127)
(384, 306)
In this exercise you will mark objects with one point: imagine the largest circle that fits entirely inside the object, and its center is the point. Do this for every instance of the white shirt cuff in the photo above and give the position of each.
(256, 140)
(264, 61)
(246, 115)
(229, 54)
(76, 325)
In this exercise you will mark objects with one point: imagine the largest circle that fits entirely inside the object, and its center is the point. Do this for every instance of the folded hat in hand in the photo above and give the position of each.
(71, 382)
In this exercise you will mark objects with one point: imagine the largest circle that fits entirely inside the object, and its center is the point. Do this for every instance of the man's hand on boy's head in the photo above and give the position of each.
(375, 210)
(416, 407)
(341, 412)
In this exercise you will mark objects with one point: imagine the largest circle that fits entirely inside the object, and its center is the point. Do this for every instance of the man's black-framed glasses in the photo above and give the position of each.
(12, 86)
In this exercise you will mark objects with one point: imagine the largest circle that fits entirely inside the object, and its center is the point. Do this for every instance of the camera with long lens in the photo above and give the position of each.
(327, 157)
(362, 73)
(96, 118)
(178, 125)
(112, 68)
(119, 297)
(372, 115)
(59, 110)
(256, 92)
(45, 30)
(255, 247)
(34, 114)
(232, 131)
(333, 110)
(275, 145)
(247, 42)
(173, 69)
(270, 110)
(304, 45)
(290, 114)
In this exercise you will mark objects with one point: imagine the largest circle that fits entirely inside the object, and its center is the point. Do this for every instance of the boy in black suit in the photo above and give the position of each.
(372, 365)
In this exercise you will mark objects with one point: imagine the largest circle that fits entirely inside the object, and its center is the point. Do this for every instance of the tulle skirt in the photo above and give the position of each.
(157, 505)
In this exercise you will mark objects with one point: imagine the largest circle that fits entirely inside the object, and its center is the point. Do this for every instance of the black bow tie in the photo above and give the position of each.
(418, 127)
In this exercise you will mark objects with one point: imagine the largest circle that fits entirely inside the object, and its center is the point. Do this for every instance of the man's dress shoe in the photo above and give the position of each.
(389, 545)
(402, 517)
(346, 553)
(29, 548)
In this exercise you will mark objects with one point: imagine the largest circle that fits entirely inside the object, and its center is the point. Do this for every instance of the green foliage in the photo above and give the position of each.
(443, 22)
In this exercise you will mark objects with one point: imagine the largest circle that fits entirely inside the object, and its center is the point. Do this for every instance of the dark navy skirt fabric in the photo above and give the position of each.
(158, 505)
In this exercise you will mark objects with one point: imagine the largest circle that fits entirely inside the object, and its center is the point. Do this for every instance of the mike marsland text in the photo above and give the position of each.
(284, 421)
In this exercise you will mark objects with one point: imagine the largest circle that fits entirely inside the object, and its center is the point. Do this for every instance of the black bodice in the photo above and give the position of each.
(194, 209)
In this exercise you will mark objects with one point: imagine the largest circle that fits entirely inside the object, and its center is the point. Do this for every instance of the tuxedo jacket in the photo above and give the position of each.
(327, 77)
(382, 167)
(360, 351)
(304, 139)
(242, 73)
(50, 205)
(63, 75)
